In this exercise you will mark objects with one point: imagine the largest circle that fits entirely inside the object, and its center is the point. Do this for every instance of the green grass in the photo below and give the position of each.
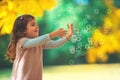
(5, 74)
(75, 72)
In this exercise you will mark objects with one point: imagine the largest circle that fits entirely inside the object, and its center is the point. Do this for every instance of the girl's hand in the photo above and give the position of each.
(70, 31)
(60, 33)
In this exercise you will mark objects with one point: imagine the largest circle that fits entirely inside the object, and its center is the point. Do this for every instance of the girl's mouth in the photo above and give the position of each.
(36, 31)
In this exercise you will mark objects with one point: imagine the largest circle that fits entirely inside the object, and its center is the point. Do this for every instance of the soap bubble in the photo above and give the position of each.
(93, 22)
(76, 55)
(76, 31)
(83, 53)
(109, 11)
(87, 28)
(87, 46)
(96, 11)
(71, 62)
(80, 24)
(72, 49)
(101, 41)
(79, 38)
(69, 9)
(74, 38)
(87, 16)
(84, 20)
(78, 52)
(79, 45)
(90, 41)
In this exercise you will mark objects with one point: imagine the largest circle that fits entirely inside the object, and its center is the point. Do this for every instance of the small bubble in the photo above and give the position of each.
(100, 55)
(79, 45)
(79, 38)
(93, 22)
(87, 46)
(76, 55)
(88, 26)
(72, 49)
(71, 62)
(86, 29)
(74, 38)
(83, 53)
(97, 44)
(80, 24)
(96, 11)
(69, 9)
(109, 11)
(88, 16)
(84, 20)
(76, 30)
(78, 51)
(101, 42)
(90, 40)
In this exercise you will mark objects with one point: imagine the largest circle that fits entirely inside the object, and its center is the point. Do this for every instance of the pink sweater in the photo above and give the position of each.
(28, 62)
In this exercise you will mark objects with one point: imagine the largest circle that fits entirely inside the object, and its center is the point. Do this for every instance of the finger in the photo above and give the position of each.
(64, 34)
(65, 31)
(70, 25)
(61, 29)
(61, 36)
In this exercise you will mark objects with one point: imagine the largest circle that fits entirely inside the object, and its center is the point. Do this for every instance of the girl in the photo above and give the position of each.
(25, 48)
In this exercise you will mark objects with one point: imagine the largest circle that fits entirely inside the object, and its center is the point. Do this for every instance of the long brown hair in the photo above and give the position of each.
(19, 28)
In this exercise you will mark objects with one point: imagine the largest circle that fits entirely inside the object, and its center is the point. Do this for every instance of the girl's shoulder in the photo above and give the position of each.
(22, 40)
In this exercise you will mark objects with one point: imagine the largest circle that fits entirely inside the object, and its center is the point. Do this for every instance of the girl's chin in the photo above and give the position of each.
(34, 36)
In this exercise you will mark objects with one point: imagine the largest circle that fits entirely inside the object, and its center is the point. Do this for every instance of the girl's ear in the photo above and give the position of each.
(24, 33)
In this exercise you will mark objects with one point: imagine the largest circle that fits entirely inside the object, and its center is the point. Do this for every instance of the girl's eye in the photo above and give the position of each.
(33, 24)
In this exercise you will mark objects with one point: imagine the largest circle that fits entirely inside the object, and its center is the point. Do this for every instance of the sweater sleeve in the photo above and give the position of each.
(54, 43)
(36, 41)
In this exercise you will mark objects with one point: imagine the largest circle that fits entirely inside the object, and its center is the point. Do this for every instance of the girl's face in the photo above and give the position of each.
(32, 29)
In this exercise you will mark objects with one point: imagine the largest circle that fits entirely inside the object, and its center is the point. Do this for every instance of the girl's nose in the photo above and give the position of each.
(37, 27)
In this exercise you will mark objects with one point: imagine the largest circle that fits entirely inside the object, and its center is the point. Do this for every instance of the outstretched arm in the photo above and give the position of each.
(43, 39)
(36, 41)
(70, 31)
(54, 44)
(61, 41)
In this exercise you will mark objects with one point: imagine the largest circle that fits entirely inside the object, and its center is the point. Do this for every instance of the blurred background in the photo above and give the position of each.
(94, 48)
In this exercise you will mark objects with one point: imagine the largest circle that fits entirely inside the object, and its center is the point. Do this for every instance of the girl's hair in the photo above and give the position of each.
(19, 28)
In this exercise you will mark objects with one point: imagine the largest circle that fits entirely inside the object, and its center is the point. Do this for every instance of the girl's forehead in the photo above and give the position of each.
(32, 20)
